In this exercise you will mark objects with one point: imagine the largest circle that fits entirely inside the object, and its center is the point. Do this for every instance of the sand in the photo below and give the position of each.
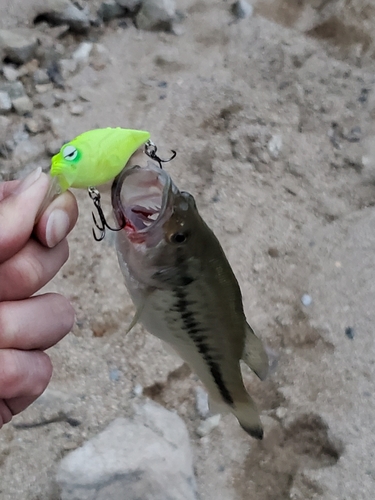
(261, 113)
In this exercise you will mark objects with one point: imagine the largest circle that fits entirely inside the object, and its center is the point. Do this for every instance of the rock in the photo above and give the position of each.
(110, 9)
(67, 67)
(61, 97)
(4, 126)
(35, 126)
(53, 146)
(44, 100)
(137, 390)
(147, 456)
(87, 94)
(201, 402)
(275, 146)
(22, 105)
(208, 425)
(43, 88)
(76, 109)
(241, 9)
(64, 12)
(28, 151)
(156, 15)
(99, 57)
(13, 89)
(28, 68)
(82, 53)
(306, 299)
(5, 103)
(10, 73)
(17, 47)
(130, 5)
(41, 77)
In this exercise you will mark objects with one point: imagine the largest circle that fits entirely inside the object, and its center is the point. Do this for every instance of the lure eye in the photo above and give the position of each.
(69, 153)
(178, 238)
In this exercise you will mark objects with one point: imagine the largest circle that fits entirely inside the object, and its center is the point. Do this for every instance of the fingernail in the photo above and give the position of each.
(28, 181)
(57, 227)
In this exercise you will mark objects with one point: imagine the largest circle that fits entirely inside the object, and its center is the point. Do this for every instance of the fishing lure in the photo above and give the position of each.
(92, 158)
(95, 157)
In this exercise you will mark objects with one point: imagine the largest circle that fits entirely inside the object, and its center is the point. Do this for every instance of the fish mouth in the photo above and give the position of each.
(142, 198)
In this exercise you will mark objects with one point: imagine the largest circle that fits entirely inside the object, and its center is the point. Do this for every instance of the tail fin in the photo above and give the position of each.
(254, 354)
(248, 418)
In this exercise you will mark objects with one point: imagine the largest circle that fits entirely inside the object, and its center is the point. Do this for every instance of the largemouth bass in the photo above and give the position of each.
(183, 287)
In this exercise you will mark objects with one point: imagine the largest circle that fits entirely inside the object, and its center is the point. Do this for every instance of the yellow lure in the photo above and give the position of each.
(95, 157)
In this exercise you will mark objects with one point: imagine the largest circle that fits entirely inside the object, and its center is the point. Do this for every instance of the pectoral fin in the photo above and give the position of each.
(254, 354)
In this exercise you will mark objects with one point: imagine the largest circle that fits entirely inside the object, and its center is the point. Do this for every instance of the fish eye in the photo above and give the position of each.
(69, 153)
(178, 238)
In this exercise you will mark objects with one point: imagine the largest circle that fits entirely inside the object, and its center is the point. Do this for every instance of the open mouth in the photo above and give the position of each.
(140, 195)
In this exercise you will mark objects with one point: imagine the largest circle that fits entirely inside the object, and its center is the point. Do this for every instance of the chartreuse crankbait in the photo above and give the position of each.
(92, 158)
(95, 157)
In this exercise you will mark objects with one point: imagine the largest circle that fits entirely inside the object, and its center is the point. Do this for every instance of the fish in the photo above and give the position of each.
(183, 287)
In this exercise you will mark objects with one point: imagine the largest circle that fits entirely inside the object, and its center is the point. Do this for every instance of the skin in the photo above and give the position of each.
(30, 256)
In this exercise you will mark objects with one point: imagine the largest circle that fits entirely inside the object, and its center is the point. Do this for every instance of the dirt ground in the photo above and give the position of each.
(272, 118)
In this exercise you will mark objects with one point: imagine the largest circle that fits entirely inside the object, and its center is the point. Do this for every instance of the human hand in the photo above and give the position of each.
(30, 256)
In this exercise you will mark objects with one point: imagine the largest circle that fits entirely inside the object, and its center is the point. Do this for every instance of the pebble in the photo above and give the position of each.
(13, 89)
(114, 375)
(76, 109)
(354, 134)
(5, 103)
(4, 125)
(10, 72)
(147, 456)
(99, 57)
(65, 12)
(42, 88)
(29, 68)
(87, 94)
(201, 402)
(53, 146)
(67, 67)
(306, 299)
(156, 14)
(35, 126)
(28, 151)
(242, 9)
(82, 53)
(208, 425)
(110, 9)
(349, 332)
(138, 390)
(22, 105)
(281, 412)
(130, 5)
(18, 47)
(41, 76)
(44, 100)
(275, 146)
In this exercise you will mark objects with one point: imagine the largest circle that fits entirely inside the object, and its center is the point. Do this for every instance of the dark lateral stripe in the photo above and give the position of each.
(194, 331)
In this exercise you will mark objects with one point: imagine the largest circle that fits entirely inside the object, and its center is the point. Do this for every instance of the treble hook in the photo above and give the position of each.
(95, 196)
(150, 150)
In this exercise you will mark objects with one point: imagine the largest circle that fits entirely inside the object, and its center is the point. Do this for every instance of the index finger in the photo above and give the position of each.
(18, 210)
